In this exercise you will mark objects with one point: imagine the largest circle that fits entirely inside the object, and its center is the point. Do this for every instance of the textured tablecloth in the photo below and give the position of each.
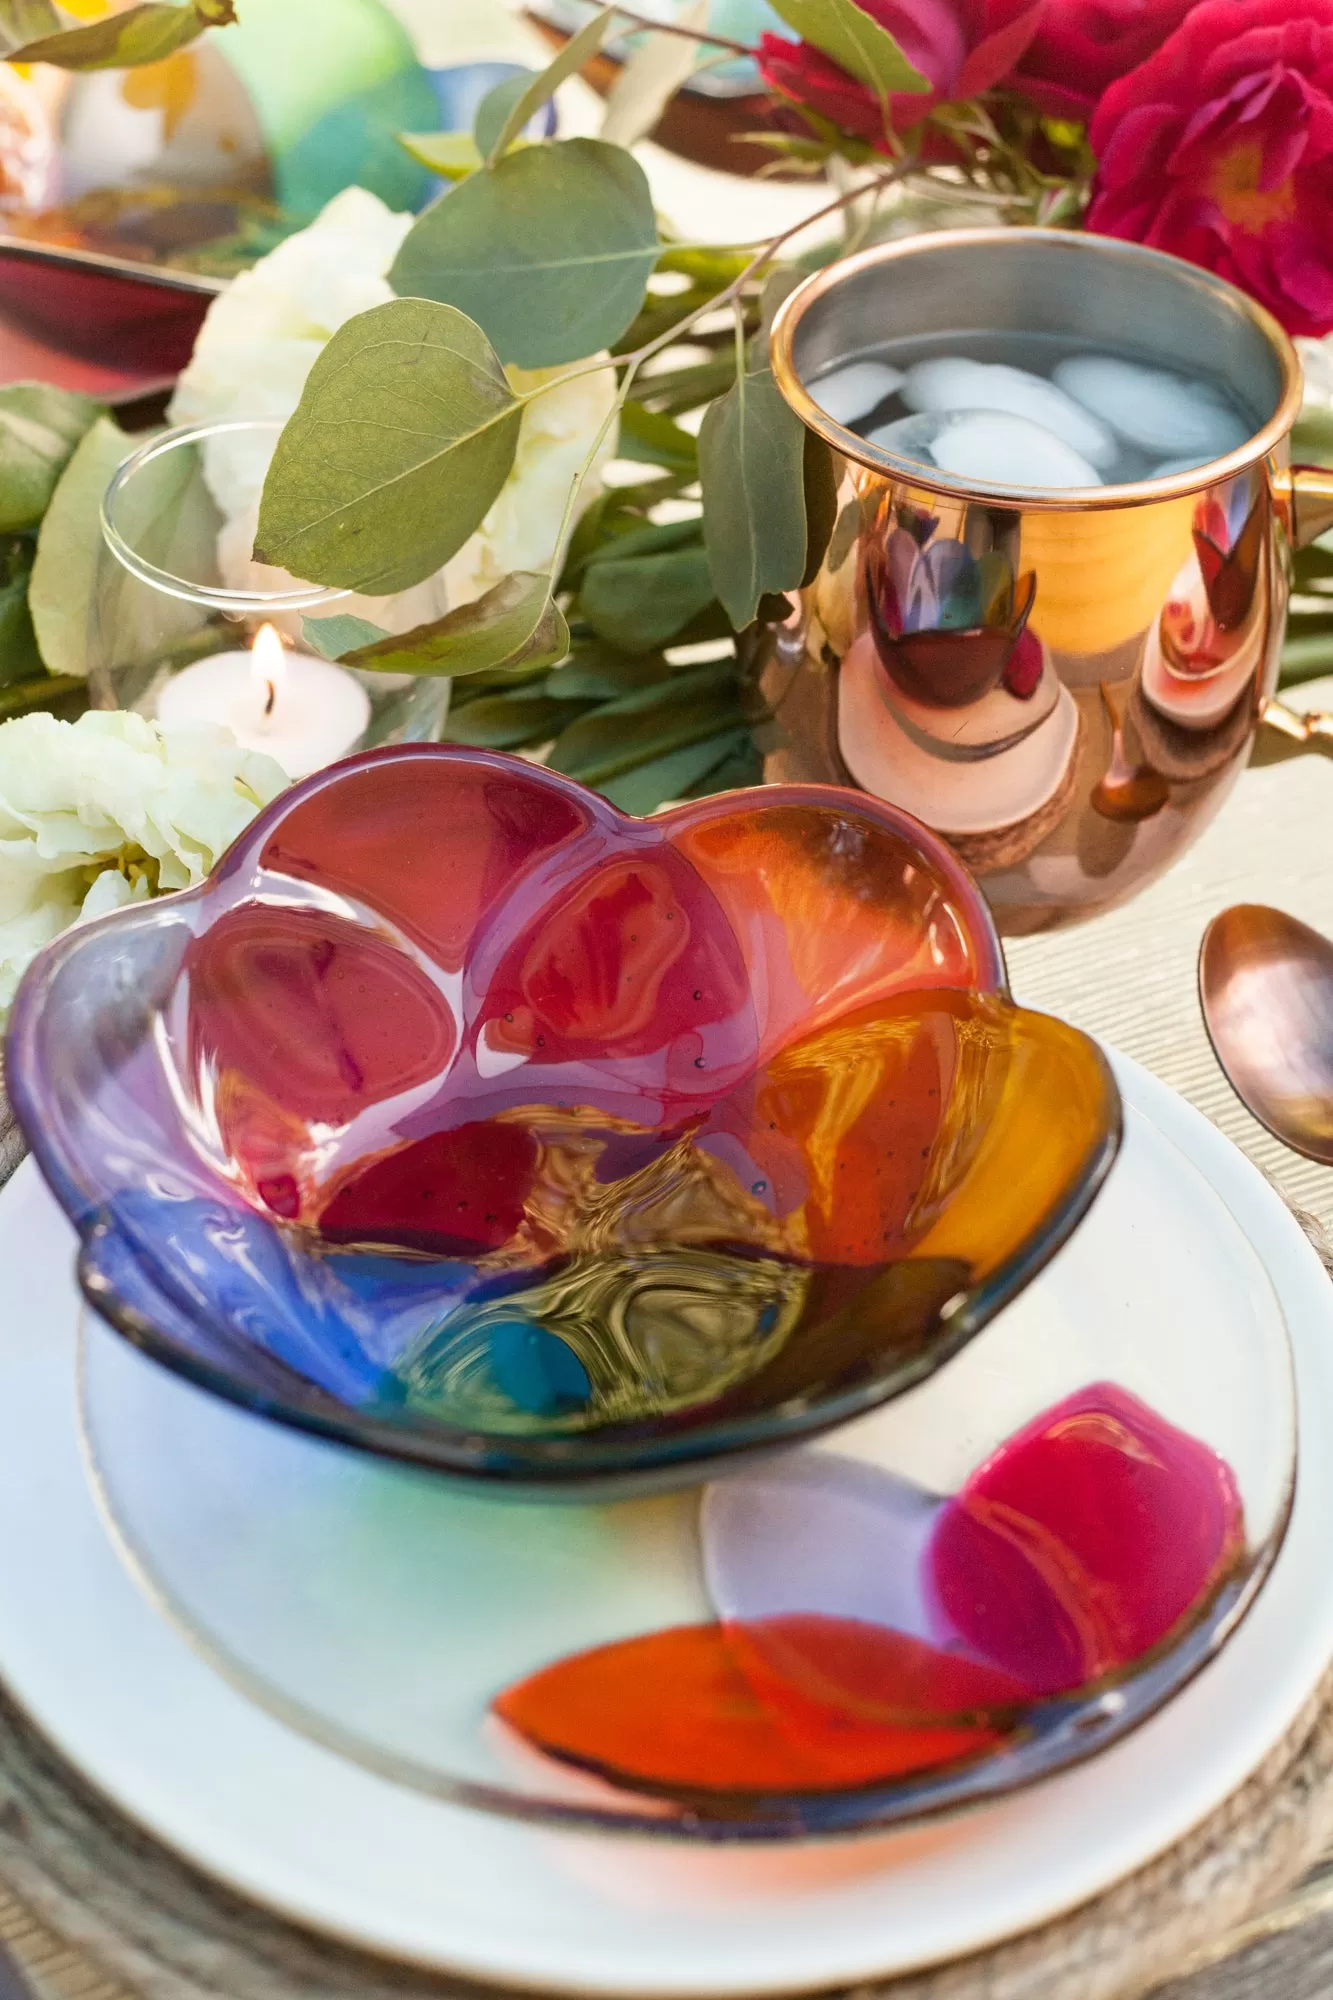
(1131, 976)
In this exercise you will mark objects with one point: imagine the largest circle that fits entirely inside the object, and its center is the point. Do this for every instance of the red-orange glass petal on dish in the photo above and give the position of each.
(788, 1706)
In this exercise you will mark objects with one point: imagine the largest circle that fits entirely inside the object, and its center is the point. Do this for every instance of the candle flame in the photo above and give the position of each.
(268, 666)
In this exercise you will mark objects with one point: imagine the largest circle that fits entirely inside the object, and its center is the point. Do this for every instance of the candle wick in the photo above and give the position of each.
(272, 697)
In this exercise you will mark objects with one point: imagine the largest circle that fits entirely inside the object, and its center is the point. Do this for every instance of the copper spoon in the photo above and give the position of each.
(1266, 988)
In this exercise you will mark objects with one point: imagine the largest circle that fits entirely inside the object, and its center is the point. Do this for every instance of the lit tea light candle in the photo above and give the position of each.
(302, 711)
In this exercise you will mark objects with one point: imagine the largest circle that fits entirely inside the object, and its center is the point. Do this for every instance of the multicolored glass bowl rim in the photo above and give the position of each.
(546, 1464)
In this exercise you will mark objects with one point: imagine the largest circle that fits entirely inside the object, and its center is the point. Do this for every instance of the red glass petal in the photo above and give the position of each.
(1086, 1540)
(794, 1704)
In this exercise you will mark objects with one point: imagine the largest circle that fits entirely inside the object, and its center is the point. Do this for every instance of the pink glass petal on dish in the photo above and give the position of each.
(1087, 1539)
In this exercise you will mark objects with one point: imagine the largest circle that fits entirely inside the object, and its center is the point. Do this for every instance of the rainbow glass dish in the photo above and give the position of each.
(465, 1119)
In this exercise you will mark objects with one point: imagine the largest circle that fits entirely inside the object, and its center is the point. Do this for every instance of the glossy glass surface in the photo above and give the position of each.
(970, 1587)
(175, 585)
(461, 1116)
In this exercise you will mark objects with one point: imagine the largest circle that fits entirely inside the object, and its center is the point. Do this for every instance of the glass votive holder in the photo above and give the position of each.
(184, 627)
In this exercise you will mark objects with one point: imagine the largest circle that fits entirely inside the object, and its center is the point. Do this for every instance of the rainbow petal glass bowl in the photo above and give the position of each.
(460, 1117)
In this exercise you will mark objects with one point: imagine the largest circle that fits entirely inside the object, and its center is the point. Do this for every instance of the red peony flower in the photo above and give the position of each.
(1082, 46)
(1220, 148)
(962, 46)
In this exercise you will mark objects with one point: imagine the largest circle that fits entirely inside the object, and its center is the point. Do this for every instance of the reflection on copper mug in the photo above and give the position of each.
(1064, 682)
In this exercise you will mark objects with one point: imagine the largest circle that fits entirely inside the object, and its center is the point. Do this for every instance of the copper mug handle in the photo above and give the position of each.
(1305, 493)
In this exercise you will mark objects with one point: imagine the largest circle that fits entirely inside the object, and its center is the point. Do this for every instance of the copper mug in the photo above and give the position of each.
(1065, 683)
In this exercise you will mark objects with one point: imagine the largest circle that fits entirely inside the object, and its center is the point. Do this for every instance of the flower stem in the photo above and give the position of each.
(688, 34)
(763, 256)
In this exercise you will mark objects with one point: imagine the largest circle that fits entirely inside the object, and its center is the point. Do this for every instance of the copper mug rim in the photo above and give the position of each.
(1080, 499)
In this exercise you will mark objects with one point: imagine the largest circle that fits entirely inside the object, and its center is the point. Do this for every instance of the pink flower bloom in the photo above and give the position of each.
(1082, 46)
(1220, 149)
(962, 46)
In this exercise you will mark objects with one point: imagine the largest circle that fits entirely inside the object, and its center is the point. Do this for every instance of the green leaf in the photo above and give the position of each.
(334, 638)
(405, 433)
(550, 250)
(679, 389)
(494, 109)
(24, 21)
(517, 624)
(572, 57)
(19, 658)
(751, 449)
(142, 34)
(451, 155)
(55, 692)
(620, 735)
(856, 43)
(651, 438)
(39, 428)
(598, 672)
(673, 776)
(657, 69)
(643, 601)
(819, 479)
(1312, 437)
(507, 721)
(741, 766)
(69, 543)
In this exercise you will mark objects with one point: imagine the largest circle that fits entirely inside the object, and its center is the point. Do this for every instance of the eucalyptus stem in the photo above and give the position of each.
(638, 355)
(580, 477)
(687, 34)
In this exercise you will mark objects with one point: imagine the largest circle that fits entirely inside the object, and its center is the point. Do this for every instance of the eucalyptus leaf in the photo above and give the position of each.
(39, 428)
(678, 389)
(28, 21)
(69, 541)
(507, 721)
(652, 438)
(493, 111)
(56, 693)
(819, 479)
(141, 34)
(19, 658)
(740, 766)
(615, 738)
(517, 624)
(654, 538)
(673, 776)
(405, 433)
(451, 155)
(598, 672)
(856, 43)
(643, 601)
(549, 251)
(543, 87)
(751, 451)
(657, 69)
(334, 638)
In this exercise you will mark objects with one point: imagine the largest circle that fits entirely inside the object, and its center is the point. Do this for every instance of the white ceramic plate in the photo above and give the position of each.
(324, 1841)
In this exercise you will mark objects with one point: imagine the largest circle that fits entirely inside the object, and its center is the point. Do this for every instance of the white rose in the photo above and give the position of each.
(108, 810)
(555, 437)
(261, 338)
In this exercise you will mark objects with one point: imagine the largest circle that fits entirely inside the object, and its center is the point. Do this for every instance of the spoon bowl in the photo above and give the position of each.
(1266, 989)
